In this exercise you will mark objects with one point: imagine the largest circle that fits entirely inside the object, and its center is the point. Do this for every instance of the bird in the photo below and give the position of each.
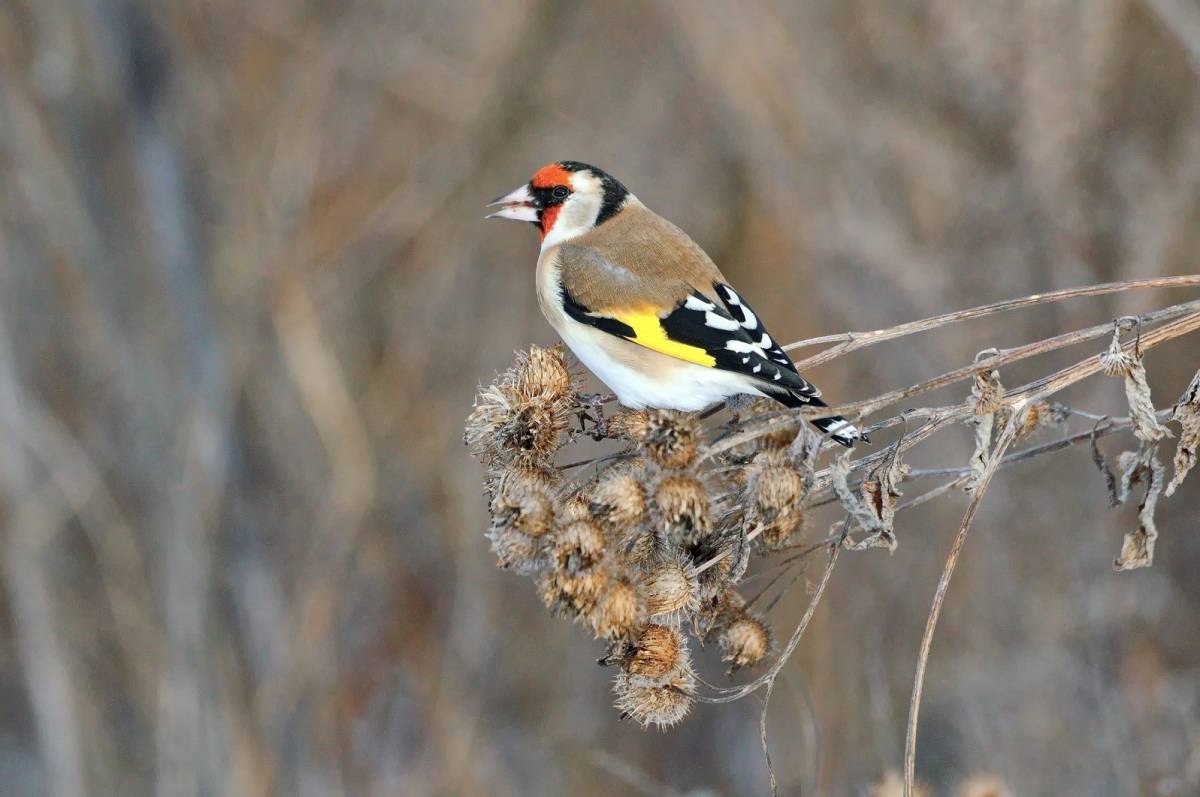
(643, 307)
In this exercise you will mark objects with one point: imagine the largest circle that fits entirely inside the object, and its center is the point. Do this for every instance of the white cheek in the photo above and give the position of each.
(578, 215)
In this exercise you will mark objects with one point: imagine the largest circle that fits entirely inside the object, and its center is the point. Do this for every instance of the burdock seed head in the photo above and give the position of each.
(579, 547)
(671, 590)
(572, 595)
(616, 614)
(745, 642)
(543, 374)
(519, 418)
(523, 502)
(776, 492)
(670, 439)
(683, 503)
(658, 652)
(717, 613)
(516, 551)
(619, 498)
(662, 706)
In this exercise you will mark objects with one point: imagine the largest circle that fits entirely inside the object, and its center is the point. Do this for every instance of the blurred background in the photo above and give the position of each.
(247, 295)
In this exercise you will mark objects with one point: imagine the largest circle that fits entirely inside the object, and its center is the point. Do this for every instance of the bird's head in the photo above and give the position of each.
(564, 200)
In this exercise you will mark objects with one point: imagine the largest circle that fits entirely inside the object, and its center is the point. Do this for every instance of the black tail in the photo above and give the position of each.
(837, 427)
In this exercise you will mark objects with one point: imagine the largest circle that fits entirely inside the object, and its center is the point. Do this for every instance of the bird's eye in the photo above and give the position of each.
(560, 192)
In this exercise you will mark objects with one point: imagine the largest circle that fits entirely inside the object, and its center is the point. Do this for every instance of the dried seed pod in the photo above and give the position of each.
(616, 614)
(646, 547)
(619, 498)
(745, 642)
(567, 594)
(718, 612)
(658, 652)
(575, 508)
(505, 428)
(671, 590)
(670, 439)
(516, 551)
(1116, 361)
(579, 547)
(543, 373)
(523, 502)
(780, 436)
(520, 417)
(663, 705)
(776, 493)
(1042, 415)
(630, 425)
(683, 503)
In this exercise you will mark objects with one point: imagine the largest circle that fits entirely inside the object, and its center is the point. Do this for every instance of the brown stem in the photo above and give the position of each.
(939, 596)
(853, 341)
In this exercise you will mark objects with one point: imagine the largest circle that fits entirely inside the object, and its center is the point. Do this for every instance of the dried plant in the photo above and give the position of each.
(648, 546)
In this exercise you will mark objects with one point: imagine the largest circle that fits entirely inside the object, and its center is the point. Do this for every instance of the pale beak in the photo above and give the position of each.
(518, 206)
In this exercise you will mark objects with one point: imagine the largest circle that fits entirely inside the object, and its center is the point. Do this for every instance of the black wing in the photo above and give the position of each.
(735, 338)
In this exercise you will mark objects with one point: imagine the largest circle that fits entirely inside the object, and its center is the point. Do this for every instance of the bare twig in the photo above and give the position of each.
(981, 482)
(853, 341)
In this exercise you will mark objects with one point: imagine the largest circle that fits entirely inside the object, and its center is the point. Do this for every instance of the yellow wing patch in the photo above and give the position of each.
(648, 331)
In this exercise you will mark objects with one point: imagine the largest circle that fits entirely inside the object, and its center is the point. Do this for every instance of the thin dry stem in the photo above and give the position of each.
(853, 341)
(981, 482)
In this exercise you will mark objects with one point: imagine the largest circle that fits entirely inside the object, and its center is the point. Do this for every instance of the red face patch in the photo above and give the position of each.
(551, 175)
(549, 216)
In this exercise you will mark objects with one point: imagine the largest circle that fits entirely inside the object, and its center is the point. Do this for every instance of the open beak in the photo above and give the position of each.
(518, 206)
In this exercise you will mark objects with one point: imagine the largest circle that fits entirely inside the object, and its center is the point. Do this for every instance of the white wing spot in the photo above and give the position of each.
(778, 375)
(719, 322)
(745, 360)
(757, 368)
(733, 297)
(749, 320)
(766, 341)
(696, 303)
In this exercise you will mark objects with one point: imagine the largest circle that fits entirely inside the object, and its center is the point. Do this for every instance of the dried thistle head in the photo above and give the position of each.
(617, 614)
(644, 548)
(572, 594)
(671, 590)
(745, 642)
(670, 439)
(579, 547)
(683, 503)
(663, 706)
(575, 508)
(632, 425)
(520, 417)
(517, 551)
(523, 502)
(542, 374)
(1042, 415)
(619, 498)
(657, 653)
(775, 493)
(718, 612)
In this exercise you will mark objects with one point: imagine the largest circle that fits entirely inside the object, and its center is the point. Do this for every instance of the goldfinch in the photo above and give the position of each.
(642, 306)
